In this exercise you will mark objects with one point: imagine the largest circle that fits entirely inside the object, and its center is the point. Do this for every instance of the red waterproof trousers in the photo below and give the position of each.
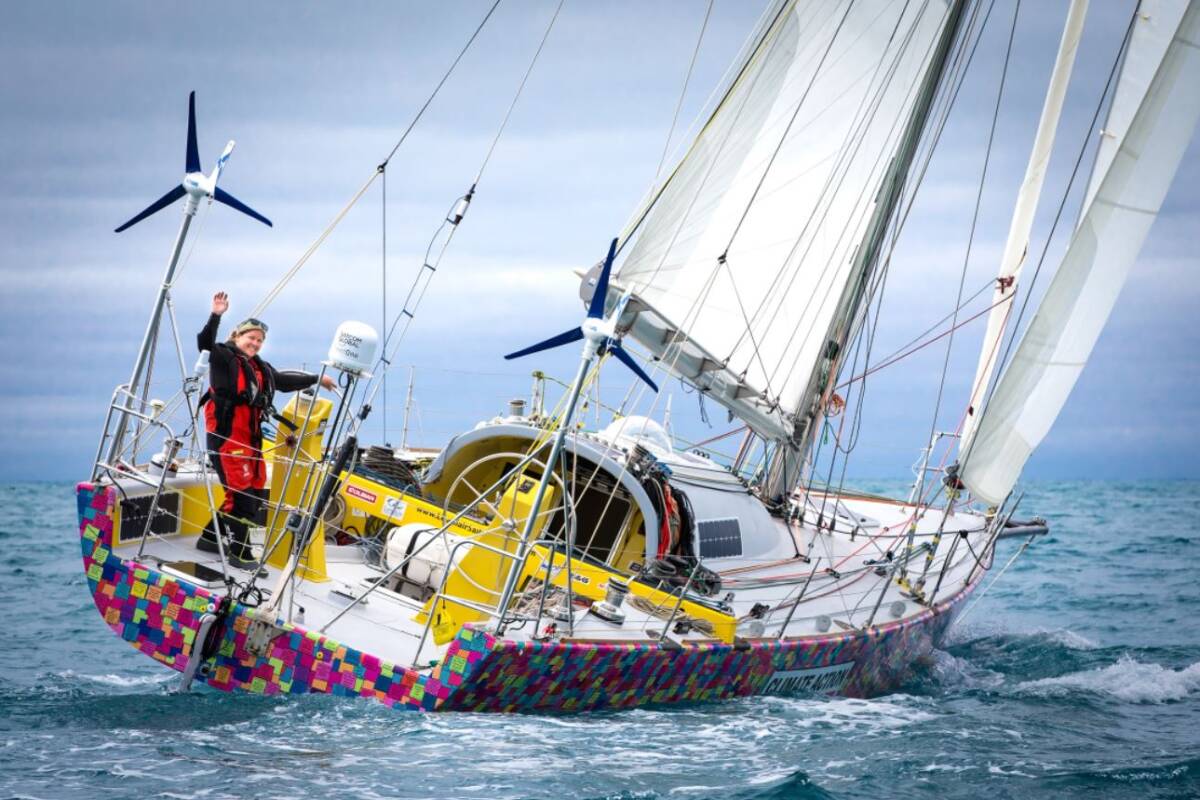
(238, 457)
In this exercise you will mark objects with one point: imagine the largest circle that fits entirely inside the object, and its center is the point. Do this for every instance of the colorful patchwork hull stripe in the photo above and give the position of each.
(160, 616)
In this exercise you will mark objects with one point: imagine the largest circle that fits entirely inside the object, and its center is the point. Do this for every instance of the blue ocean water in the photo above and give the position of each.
(1078, 674)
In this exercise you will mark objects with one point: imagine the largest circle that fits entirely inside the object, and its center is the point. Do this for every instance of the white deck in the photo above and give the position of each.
(386, 626)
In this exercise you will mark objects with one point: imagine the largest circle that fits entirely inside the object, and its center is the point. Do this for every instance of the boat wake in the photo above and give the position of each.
(1128, 680)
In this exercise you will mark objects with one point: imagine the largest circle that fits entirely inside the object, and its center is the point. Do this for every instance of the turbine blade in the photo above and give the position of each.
(596, 308)
(566, 337)
(193, 152)
(157, 205)
(626, 359)
(222, 196)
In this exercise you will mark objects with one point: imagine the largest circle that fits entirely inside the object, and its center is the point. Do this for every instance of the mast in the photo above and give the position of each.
(785, 468)
(1027, 202)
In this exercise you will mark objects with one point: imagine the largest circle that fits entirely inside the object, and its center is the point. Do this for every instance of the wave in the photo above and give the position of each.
(1128, 680)
(1177, 778)
(120, 681)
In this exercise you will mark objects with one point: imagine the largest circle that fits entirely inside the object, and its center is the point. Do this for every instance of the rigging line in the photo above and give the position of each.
(783, 138)
(868, 107)
(724, 261)
(520, 88)
(916, 339)
(683, 92)
(440, 83)
(954, 85)
(291, 273)
(312, 248)
(759, 35)
(1012, 338)
(383, 295)
(453, 218)
(875, 293)
(865, 198)
(974, 221)
(948, 332)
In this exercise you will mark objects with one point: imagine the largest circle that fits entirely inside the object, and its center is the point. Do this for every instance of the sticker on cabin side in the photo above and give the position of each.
(394, 507)
(361, 494)
(819, 680)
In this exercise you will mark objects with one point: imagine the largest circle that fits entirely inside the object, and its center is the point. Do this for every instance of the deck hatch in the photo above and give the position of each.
(719, 538)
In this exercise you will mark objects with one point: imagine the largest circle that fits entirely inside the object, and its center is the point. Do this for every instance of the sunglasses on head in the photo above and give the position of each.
(252, 324)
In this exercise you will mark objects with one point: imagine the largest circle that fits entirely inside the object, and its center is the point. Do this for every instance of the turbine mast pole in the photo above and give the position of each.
(151, 336)
(590, 347)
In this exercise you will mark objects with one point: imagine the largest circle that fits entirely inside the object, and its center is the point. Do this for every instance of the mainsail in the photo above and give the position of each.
(1137, 171)
(742, 260)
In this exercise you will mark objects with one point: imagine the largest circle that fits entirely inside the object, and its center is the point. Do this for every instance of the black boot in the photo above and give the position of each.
(239, 553)
(207, 540)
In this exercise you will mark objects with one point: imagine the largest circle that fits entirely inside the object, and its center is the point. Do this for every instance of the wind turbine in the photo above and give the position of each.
(599, 336)
(195, 186)
(598, 331)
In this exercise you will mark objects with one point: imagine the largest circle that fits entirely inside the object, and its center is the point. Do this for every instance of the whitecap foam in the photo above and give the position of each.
(1127, 680)
(112, 679)
(995, 628)
(951, 671)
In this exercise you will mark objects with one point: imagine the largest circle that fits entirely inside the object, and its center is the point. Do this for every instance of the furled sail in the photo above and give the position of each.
(1055, 348)
(740, 263)
(1017, 244)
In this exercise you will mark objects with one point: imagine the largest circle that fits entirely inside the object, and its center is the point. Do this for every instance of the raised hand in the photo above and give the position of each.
(220, 303)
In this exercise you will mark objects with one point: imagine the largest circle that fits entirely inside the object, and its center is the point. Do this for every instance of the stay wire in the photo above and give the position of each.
(683, 92)
(961, 62)
(379, 170)
(937, 405)
(440, 84)
(428, 268)
(1012, 339)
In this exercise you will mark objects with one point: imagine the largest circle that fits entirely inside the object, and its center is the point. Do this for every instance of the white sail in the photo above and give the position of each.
(1017, 245)
(1154, 26)
(1060, 338)
(741, 261)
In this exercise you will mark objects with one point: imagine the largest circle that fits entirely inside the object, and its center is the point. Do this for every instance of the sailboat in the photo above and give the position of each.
(533, 564)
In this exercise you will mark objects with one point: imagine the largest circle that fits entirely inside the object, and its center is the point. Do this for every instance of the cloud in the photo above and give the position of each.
(316, 97)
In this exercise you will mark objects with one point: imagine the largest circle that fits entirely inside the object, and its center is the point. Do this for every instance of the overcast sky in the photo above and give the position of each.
(94, 119)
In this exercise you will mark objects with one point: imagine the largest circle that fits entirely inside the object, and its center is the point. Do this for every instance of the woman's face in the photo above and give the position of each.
(249, 342)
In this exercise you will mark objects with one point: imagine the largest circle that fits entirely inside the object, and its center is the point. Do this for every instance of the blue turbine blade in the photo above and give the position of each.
(222, 196)
(157, 205)
(566, 337)
(193, 152)
(626, 359)
(596, 307)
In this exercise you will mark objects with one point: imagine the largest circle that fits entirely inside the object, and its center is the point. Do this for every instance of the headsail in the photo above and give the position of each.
(741, 261)
(1017, 245)
(1055, 348)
